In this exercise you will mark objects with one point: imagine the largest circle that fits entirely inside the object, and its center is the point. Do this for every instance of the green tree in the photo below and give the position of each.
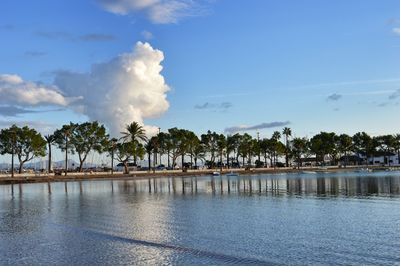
(275, 143)
(345, 144)
(134, 134)
(245, 149)
(210, 140)
(324, 144)
(151, 148)
(50, 139)
(299, 150)
(124, 152)
(111, 146)
(198, 153)
(396, 146)
(232, 145)
(62, 139)
(288, 133)
(364, 145)
(193, 142)
(386, 144)
(221, 148)
(24, 142)
(88, 137)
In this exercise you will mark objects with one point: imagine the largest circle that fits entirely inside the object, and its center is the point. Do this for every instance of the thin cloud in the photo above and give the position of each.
(54, 35)
(63, 35)
(396, 31)
(240, 128)
(147, 35)
(158, 12)
(97, 37)
(334, 97)
(14, 111)
(394, 95)
(8, 27)
(214, 106)
(35, 53)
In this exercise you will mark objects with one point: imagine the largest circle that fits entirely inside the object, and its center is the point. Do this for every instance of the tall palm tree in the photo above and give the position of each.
(134, 134)
(275, 143)
(150, 148)
(112, 145)
(50, 139)
(287, 132)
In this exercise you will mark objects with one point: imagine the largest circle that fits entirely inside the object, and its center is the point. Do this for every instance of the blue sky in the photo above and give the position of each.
(313, 65)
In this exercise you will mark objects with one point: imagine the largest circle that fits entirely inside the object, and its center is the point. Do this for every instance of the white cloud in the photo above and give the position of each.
(147, 35)
(158, 11)
(15, 91)
(396, 31)
(128, 88)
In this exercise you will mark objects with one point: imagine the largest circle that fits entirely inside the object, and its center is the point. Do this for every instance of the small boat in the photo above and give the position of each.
(216, 173)
(364, 170)
(308, 172)
(232, 174)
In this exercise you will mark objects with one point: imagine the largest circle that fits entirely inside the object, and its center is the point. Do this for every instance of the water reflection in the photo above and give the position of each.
(204, 220)
(346, 186)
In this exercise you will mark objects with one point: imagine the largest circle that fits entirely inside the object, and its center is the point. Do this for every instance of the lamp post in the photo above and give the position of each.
(258, 143)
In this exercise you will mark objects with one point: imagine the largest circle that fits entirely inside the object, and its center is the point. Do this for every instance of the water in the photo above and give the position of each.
(299, 219)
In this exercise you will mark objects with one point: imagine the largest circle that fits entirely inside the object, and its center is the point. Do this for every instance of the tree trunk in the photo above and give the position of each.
(80, 166)
(149, 161)
(112, 161)
(49, 170)
(21, 165)
(220, 164)
(126, 167)
(183, 162)
(66, 156)
(12, 162)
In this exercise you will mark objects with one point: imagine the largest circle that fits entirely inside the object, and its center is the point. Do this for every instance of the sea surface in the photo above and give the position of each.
(306, 218)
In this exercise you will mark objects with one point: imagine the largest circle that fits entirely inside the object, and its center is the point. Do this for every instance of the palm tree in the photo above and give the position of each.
(150, 148)
(134, 134)
(275, 140)
(287, 132)
(198, 153)
(50, 139)
(112, 145)
(221, 146)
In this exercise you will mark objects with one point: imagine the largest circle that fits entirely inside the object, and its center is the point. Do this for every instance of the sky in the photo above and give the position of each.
(221, 65)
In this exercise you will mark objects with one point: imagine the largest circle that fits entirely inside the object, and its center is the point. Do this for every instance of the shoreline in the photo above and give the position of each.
(137, 175)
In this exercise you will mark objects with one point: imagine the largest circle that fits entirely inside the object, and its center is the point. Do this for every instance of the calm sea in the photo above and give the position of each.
(298, 219)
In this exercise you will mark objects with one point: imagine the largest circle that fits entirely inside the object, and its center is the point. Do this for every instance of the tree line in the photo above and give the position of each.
(212, 149)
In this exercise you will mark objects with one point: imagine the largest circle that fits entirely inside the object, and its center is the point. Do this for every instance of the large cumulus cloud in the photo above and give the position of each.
(128, 88)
